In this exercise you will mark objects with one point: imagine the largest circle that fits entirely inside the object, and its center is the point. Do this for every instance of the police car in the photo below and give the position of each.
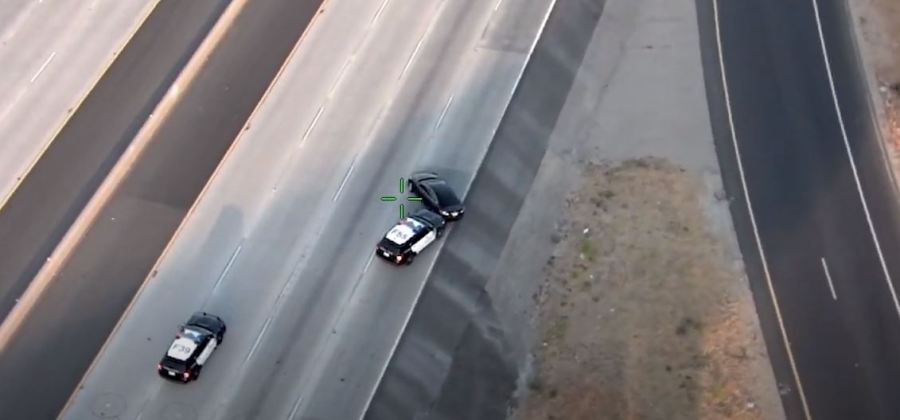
(410, 236)
(194, 343)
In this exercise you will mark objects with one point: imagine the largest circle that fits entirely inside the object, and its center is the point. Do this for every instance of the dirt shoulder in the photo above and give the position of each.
(641, 315)
(623, 277)
(878, 33)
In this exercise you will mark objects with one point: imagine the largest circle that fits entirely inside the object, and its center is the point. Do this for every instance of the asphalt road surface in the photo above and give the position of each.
(92, 289)
(59, 185)
(52, 53)
(828, 231)
(281, 244)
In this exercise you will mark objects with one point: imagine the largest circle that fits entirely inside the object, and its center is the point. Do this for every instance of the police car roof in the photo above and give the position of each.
(432, 219)
(183, 347)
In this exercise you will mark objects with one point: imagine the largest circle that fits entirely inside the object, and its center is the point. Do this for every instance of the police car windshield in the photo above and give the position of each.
(192, 334)
(404, 230)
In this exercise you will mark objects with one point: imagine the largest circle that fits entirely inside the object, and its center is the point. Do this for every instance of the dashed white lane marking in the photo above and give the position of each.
(862, 197)
(258, 339)
(43, 67)
(295, 408)
(424, 35)
(375, 122)
(344, 181)
(828, 277)
(378, 13)
(141, 413)
(412, 55)
(368, 263)
(497, 6)
(234, 255)
(337, 80)
(759, 247)
(312, 125)
(443, 113)
(368, 29)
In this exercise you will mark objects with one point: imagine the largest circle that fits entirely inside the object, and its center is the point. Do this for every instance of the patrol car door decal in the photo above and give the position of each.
(419, 246)
(201, 359)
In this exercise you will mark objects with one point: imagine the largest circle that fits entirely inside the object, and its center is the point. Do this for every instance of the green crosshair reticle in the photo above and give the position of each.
(392, 198)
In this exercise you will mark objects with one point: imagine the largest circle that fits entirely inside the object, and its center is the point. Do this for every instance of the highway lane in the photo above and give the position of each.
(52, 54)
(69, 171)
(827, 246)
(93, 287)
(281, 245)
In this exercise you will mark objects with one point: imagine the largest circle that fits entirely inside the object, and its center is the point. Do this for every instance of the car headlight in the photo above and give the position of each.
(445, 213)
(454, 214)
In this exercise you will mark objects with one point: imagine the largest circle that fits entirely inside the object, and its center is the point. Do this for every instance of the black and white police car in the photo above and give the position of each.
(410, 236)
(194, 343)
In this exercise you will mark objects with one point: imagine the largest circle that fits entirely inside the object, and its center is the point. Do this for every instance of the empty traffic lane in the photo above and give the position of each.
(93, 287)
(821, 215)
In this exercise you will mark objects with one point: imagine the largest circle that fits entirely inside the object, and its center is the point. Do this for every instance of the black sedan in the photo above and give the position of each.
(437, 195)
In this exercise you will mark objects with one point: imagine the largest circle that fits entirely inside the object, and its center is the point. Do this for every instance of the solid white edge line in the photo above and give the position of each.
(828, 277)
(759, 247)
(862, 198)
(422, 286)
(873, 99)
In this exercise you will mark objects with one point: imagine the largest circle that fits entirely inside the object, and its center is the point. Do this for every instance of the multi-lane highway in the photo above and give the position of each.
(68, 171)
(95, 276)
(281, 243)
(52, 53)
(814, 203)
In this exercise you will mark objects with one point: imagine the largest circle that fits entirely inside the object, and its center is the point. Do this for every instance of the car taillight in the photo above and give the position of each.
(187, 375)
(399, 258)
(159, 366)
